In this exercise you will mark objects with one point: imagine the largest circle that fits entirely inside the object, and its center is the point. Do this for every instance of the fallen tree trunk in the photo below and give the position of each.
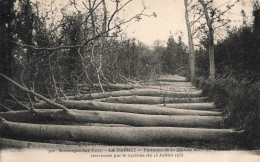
(151, 100)
(172, 88)
(192, 106)
(113, 135)
(139, 92)
(140, 109)
(114, 86)
(79, 116)
(172, 78)
(177, 84)
(6, 143)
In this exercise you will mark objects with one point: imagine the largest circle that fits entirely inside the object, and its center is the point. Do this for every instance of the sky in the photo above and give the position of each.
(171, 18)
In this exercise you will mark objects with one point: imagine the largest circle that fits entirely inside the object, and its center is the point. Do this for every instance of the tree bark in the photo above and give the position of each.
(113, 135)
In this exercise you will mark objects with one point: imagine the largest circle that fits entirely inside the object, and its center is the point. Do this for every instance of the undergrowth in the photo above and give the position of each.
(240, 102)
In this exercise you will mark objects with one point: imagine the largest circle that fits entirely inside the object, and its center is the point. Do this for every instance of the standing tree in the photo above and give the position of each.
(209, 20)
(190, 38)
(169, 56)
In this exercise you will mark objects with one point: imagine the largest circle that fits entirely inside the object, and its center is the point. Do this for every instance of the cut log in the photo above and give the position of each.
(20, 116)
(139, 92)
(177, 84)
(140, 109)
(113, 135)
(172, 78)
(131, 108)
(172, 88)
(192, 106)
(79, 116)
(151, 100)
(6, 143)
(114, 86)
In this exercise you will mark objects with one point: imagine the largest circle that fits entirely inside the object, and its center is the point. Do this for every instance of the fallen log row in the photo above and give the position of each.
(139, 92)
(132, 86)
(45, 116)
(106, 117)
(172, 79)
(114, 86)
(177, 84)
(172, 88)
(191, 106)
(113, 135)
(131, 108)
(151, 100)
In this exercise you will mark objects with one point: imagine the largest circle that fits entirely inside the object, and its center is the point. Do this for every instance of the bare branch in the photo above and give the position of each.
(19, 103)
(34, 93)
(6, 108)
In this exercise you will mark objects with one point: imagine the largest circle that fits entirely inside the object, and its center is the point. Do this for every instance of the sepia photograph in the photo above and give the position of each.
(129, 80)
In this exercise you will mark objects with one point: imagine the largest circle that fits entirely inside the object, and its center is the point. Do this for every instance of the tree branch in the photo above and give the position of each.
(6, 108)
(34, 93)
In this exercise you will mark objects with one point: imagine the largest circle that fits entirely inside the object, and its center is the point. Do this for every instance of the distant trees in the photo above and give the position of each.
(174, 57)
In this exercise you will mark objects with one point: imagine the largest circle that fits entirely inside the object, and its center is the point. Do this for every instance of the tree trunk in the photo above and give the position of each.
(140, 109)
(191, 46)
(177, 84)
(151, 100)
(172, 88)
(139, 92)
(211, 42)
(114, 86)
(107, 117)
(17, 144)
(113, 135)
(172, 78)
(211, 59)
(192, 106)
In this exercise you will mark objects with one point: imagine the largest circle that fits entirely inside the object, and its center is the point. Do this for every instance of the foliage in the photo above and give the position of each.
(7, 15)
(175, 57)
(237, 88)
(240, 102)
(237, 54)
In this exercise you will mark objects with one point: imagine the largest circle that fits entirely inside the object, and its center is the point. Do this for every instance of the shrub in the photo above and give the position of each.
(240, 102)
